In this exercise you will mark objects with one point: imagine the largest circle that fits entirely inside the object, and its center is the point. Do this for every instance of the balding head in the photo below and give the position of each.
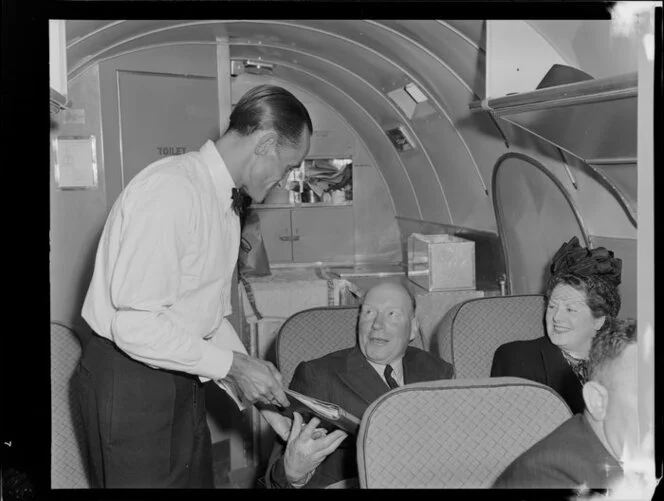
(611, 393)
(394, 288)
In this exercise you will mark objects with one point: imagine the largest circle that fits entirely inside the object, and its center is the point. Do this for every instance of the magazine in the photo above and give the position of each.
(331, 415)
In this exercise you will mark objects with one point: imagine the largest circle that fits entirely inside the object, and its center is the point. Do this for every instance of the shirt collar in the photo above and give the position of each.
(221, 177)
(397, 368)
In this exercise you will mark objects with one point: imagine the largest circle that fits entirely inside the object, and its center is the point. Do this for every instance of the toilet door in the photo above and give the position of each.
(163, 114)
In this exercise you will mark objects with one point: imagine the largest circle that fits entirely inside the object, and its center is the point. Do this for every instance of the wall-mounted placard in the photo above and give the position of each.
(75, 162)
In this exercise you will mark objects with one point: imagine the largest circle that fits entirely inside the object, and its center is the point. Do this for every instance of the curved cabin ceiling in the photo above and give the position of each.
(353, 66)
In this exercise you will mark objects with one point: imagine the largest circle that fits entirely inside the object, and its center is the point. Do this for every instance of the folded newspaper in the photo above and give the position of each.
(331, 415)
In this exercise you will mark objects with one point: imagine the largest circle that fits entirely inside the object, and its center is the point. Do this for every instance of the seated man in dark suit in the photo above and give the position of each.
(585, 452)
(353, 378)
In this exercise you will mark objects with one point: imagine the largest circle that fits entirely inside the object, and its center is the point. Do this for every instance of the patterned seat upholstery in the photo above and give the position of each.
(68, 463)
(315, 332)
(453, 433)
(472, 330)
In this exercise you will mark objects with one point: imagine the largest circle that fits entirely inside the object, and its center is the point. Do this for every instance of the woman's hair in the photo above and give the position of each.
(595, 272)
(268, 107)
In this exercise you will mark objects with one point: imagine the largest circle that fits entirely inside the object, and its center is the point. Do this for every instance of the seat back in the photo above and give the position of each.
(453, 433)
(315, 332)
(471, 331)
(68, 459)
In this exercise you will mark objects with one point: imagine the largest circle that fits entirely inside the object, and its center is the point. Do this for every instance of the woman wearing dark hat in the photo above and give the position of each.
(581, 295)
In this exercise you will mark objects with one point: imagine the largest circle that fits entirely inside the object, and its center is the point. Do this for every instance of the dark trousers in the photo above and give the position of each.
(144, 427)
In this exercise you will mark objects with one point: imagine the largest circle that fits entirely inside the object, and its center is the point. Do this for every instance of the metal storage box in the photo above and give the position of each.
(441, 262)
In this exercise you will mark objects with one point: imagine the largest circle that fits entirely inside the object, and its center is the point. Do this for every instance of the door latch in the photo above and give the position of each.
(294, 238)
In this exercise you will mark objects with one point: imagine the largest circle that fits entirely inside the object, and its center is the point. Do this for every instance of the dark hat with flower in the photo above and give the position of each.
(599, 263)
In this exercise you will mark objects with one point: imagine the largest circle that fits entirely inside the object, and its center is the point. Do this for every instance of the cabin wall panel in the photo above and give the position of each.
(460, 180)
(76, 217)
(377, 237)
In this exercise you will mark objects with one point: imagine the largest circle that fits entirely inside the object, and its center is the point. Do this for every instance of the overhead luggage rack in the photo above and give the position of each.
(575, 117)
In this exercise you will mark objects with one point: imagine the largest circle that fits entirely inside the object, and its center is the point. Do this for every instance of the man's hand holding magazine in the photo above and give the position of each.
(307, 447)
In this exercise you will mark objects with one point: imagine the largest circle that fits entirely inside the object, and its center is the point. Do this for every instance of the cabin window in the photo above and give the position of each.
(317, 182)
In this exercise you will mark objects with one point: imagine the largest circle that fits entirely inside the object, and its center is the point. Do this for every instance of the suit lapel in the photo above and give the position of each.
(361, 378)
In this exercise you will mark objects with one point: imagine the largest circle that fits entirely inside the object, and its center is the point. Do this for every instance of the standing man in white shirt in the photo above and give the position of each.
(160, 293)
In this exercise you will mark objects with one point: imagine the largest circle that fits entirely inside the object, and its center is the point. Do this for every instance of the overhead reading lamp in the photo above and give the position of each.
(412, 101)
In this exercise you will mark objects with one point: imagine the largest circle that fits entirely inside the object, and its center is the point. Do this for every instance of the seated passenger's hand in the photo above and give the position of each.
(257, 380)
(307, 447)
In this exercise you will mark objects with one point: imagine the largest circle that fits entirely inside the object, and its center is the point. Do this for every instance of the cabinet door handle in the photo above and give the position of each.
(290, 239)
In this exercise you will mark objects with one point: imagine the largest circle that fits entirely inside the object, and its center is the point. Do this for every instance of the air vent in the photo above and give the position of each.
(400, 139)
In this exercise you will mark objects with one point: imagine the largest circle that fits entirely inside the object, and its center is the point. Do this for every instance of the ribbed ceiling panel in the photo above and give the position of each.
(352, 65)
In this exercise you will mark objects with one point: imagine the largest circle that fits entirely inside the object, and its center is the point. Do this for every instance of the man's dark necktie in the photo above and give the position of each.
(391, 382)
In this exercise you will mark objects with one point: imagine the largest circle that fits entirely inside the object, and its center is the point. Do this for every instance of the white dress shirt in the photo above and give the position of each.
(163, 271)
(397, 370)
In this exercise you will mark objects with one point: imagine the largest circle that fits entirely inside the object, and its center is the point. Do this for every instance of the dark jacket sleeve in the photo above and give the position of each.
(535, 470)
(500, 365)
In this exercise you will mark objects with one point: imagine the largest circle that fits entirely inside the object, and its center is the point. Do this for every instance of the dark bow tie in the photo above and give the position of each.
(240, 201)
(237, 203)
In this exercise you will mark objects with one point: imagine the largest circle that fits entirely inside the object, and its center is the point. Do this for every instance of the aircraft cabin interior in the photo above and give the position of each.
(454, 155)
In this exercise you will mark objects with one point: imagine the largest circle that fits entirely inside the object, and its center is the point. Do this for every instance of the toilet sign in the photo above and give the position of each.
(166, 151)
